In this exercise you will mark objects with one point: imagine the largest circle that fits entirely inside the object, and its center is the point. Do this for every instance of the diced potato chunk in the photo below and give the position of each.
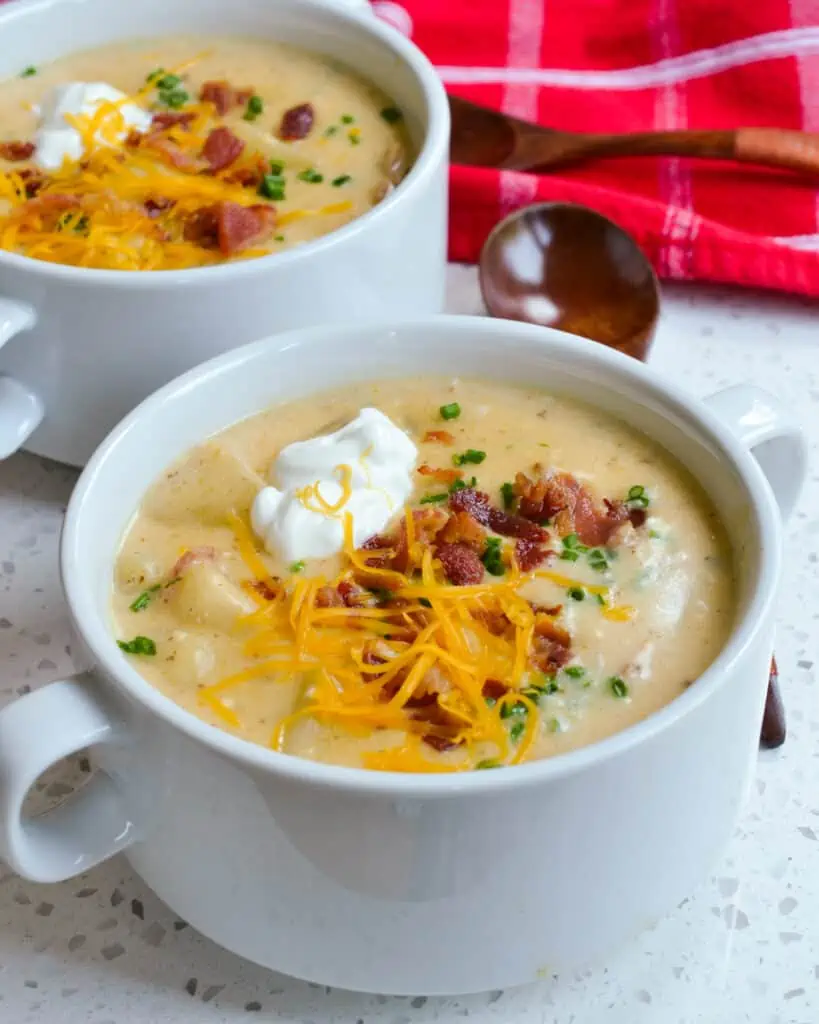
(204, 596)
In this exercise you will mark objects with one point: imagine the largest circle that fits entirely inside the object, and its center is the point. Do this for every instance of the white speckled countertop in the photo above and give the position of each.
(745, 948)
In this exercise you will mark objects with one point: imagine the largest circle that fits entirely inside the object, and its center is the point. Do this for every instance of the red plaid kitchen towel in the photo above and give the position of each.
(624, 65)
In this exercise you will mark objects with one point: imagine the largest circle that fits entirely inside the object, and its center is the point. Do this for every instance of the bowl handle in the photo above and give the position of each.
(21, 410)
(765, 425)
(37, 731)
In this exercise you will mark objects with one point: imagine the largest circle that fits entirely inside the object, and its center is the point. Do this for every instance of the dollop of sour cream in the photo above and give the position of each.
(56, 139)
(364, 469)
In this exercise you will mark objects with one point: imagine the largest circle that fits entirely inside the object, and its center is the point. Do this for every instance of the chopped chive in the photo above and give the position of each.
(175, 98)
(572, 541)
(600, 600)
(598, 561)
(28, 72)
(425, 602)
(382, 595)
(139, 645)
(156, 73)
(516, 731)
(618, 686)
(347, 119)
(507, 494)
(637, 497)
(276, 167)
(569, 556)
(490, 701)
(144, 598)
(272, 186)
(471, 455)
(332, 130)
(576, 593)
(433, 499)
(489, 763)
(492, 557)
(391, 114)
(355, 139)
(450, 412)
(509, 710)
(168, 82)
(311, 176)
(278, 238)
(342, 179)
(554, 725)
(575, 671)
(459, 485)
(255, 105)
(295, 567)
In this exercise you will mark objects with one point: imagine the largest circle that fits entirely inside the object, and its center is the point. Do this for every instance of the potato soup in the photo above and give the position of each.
(424, 575)
(182, 152)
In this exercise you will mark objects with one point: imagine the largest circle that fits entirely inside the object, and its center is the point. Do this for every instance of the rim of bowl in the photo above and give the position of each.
(99, 639)
(435, 142)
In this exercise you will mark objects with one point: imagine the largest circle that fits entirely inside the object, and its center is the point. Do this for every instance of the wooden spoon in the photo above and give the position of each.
(481, 137)
(565, 266)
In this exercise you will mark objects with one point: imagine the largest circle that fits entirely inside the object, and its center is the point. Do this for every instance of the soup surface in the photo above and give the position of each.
(553, 577)
(187, 151)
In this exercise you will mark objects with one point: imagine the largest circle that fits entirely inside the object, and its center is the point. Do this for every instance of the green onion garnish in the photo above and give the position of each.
(637, 497)
(255, 105)
(347, 119)
(139, 645)
(391, 114)
(311, 176)
(144, 598)
(618, 686)
(471, 455)
(508, 495)
(433, 499)
(450, 412)
(483, 765)
(175, 98)
(272, 186)
(156, 73)
(575, 671)
(459, 485)
(276, 167)
(576, 593)
(597, 560)
(295, 567)
(492, 557)
(516, 731)
(28, 72)
(600, 600)
(342, 179)
(332, 130)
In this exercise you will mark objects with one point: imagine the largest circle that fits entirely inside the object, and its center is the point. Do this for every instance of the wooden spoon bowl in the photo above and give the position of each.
(565, 266)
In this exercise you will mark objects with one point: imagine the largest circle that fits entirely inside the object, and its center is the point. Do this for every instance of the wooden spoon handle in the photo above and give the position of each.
(767, 147)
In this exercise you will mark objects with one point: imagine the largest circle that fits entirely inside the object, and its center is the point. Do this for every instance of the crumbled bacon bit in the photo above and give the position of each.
(461, 528)
(171, 153)
(267, 589)
(441, 436)
(494, 689)
(495, 620)
(297, 122)
(223, 96)
(14, 151)
(230, 226)
(355, 596)
(546, 627)
(507, 524)
(33, 180)
(446, 476)
(222, 148)
(474, 503)
(328, 597)
(637, 517)
(428, 522)
(154, 205)
(461, 564)
(440, 743)
(370, 655)
(171, 119)
(573, 508)
(192, 556)
(529, 555)
(249, 175)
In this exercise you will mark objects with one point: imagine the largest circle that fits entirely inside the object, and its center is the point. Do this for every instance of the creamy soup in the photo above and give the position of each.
(187, 151)
(449, 575)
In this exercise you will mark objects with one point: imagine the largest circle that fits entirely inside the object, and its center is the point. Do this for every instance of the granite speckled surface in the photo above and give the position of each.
(745, 948)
